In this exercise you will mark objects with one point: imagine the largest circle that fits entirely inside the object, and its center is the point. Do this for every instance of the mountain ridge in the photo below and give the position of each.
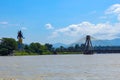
(113, 42)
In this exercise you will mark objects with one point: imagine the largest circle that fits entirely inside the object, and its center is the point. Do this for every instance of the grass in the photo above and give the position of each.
(23, 53)
(69, 52)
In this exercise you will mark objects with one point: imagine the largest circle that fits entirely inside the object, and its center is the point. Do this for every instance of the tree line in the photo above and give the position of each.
(79, 49)
(9, 46)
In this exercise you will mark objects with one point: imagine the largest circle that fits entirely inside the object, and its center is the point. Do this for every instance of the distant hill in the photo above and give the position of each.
(113, 42)
(56, 45)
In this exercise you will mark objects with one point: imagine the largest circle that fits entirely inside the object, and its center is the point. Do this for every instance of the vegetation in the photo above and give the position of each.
(77, 49)
(37, 48)
(22, 53)
(9, 46)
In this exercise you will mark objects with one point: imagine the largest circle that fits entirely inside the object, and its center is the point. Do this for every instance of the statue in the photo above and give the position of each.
(20, 41)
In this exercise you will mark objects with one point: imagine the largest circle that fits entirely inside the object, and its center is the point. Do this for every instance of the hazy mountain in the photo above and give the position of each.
(56, 45)
(114, 42)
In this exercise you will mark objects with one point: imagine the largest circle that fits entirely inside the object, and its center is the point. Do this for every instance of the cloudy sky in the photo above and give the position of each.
(64, 21)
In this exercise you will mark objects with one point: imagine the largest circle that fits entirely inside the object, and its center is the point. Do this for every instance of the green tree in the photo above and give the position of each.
(71, 49)
(36, 48)
(7, 45)
(62, 48)
(27, 48)
(49, 46)
(3, 51)
(77, 48)
(82, 47)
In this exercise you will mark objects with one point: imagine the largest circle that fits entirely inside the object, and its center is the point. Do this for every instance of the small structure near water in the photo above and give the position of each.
(88, 48)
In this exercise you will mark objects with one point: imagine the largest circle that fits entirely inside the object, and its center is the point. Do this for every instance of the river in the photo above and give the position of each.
(60, 67)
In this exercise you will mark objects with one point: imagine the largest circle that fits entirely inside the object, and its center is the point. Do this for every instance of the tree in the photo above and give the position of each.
(82, 47)
(35, 48)
(7, 45)
(71, 48)
(62, 48)
(77, 48)
(49, 46)
(4, 51)
(27, 48)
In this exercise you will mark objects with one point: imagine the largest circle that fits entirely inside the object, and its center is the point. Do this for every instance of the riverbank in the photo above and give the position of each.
(23, 53)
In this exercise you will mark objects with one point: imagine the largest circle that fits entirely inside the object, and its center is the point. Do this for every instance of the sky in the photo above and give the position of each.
(60, 21)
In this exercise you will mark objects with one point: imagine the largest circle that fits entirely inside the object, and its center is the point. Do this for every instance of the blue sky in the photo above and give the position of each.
(64, 21)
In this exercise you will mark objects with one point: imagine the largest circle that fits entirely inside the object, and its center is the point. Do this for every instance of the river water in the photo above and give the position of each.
(61, 67)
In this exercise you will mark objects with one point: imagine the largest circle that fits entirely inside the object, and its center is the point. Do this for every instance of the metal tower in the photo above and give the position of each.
(20, 40)
(88, 49)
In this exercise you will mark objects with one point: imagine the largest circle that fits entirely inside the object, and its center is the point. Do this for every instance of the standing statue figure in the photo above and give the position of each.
(20, 41)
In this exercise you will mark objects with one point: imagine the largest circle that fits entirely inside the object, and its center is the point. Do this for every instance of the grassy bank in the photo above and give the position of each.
(69, 52)
(22, 53)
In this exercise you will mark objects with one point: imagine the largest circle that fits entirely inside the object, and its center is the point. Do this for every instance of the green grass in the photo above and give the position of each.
(23, 53)
(69, 52)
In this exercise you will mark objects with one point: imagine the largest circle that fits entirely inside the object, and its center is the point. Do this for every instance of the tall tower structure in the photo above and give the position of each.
(88, 49)
(20, 40)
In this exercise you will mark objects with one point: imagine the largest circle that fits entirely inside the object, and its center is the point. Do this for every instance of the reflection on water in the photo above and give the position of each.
(61, 67)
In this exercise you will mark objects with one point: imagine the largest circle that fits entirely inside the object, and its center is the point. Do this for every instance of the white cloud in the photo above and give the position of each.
(93, 12)
(49, 26)
(23, 28)
(99, 31)
(4, 23)
(104, 31)
(114, 9)
(103, 17)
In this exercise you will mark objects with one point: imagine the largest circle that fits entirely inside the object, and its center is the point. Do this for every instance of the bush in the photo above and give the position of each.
(7, 45)
(22, 53)
(3, 51)
(47, 52)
